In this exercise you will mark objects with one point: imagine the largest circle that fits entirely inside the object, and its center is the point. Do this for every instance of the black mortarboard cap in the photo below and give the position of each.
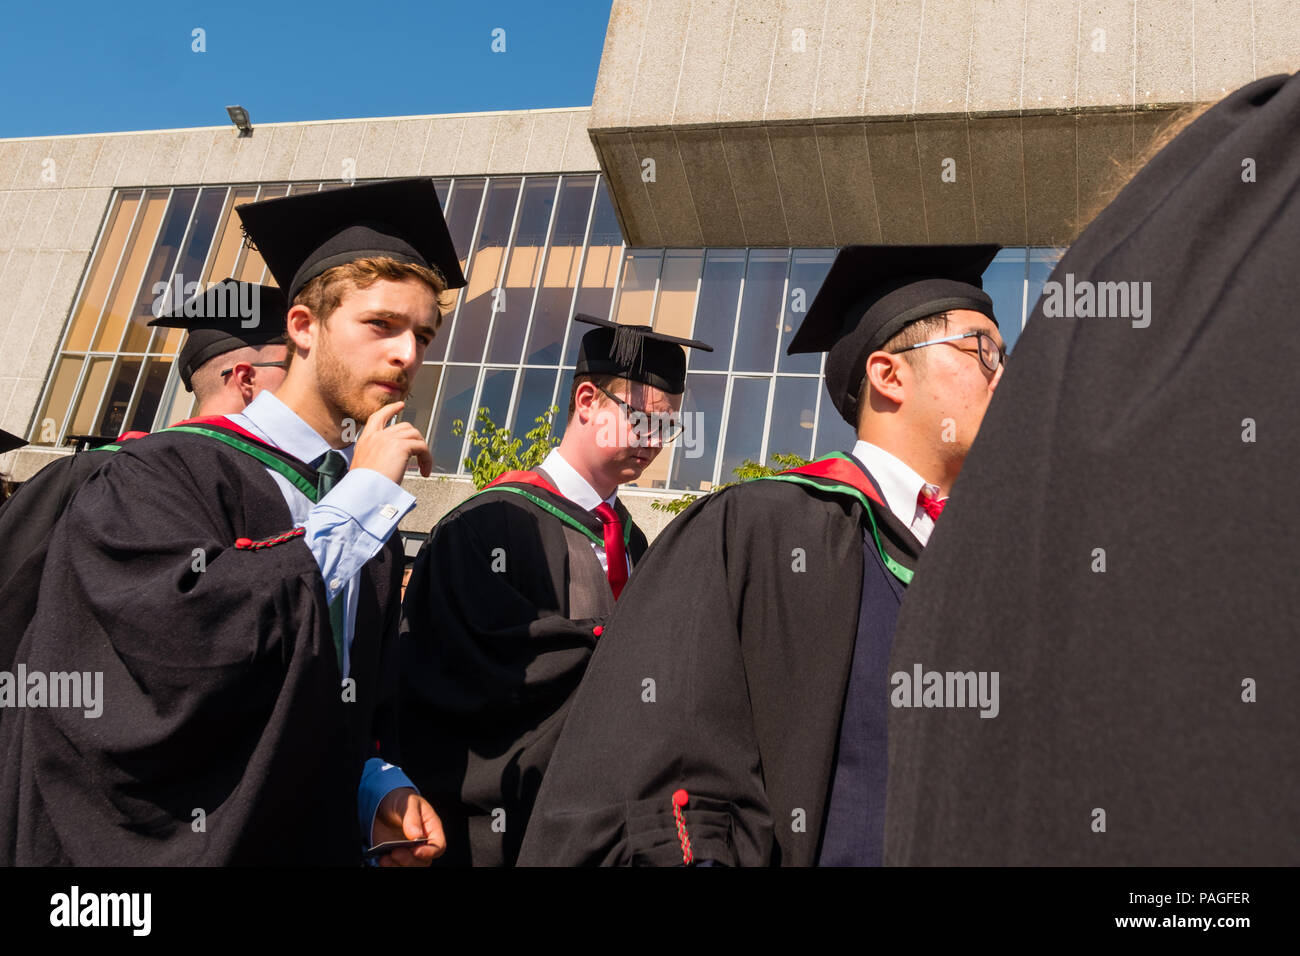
(302, 236)
(636, 353)
(82, 443)
(872, 292)
(9, 442)
(230, 315)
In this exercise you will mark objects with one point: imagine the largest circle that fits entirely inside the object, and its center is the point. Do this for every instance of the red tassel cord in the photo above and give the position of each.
(680, 799)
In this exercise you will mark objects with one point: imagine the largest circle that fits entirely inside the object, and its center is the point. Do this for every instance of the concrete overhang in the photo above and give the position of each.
(827, 122)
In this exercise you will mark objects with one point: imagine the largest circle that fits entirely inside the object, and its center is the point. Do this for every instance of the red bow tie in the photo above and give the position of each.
(932, 504)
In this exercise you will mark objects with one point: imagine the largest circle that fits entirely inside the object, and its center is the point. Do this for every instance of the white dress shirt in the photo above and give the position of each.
(574, 487)
(900, 486)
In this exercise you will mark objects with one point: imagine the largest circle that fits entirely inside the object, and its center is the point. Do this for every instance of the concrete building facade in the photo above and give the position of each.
(730, 147)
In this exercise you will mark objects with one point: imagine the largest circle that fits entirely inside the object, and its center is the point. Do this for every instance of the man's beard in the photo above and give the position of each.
(344, 393)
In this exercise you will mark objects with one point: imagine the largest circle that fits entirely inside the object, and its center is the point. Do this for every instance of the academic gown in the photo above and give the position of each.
(725, 672)
(26, 522)
(1122, 548)
(225, 737)
(505, 603)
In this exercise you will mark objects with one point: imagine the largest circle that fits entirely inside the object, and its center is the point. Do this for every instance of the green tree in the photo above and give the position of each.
(494, 451)
(745, 471)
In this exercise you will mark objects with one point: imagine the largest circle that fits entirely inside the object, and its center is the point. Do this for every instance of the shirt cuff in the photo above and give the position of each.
(371, 500)
(378, 780)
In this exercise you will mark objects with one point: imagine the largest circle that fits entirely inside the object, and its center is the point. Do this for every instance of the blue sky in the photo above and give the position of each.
(86, 68)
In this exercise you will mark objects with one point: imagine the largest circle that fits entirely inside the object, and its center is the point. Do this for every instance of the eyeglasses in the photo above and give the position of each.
(284, 364)
(650, 425)
(990, 353)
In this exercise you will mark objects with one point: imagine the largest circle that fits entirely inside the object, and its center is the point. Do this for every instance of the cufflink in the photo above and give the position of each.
(388, 511)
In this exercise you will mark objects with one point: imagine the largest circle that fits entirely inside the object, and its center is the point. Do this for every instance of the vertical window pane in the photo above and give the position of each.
(132, 272)
(441, 187)
(83, 417)
(203, 228)
(560, 274)
(808, 269)
(461, 213)
(419, 404)
(833, 432)
(229, 239)
(744, 425)
(189, 267)
(498, 385)
(715, 318)
(760, 310)
(794, 409)
(637, 292)
(534, 399)
(159, 269)
(1004, 281)
(675, 310)
(484, 271)
(511, 319)
(112, 420)
(457, 393)
(56, 404)
(698, 445)
(151, 390)
(604, 257)
(100, 281)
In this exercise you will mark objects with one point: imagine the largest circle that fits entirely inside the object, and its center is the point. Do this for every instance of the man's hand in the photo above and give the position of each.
(387, 450)
(405, 815)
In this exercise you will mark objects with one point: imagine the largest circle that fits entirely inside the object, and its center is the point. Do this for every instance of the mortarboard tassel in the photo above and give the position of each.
(626, 348)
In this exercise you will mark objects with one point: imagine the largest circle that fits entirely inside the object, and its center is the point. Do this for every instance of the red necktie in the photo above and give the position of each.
(932, 504)
(615, 558)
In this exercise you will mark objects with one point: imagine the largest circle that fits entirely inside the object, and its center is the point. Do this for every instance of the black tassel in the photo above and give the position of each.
(626, 350)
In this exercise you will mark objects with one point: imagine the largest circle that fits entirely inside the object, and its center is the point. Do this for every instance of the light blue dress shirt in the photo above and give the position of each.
(344, 530)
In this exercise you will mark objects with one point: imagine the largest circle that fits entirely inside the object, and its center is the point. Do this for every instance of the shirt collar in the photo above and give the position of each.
(275, 423)
(899, 484)
(571, 484)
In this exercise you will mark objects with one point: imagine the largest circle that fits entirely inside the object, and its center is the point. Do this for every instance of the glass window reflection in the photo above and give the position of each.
(715, 316)
(695, 452)
(744, 425)
(760, 309)
(794, 414)
(478, 298)
(560, 273)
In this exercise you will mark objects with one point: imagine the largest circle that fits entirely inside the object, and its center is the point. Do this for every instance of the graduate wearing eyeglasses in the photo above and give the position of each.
(765, 613)
(510, 594)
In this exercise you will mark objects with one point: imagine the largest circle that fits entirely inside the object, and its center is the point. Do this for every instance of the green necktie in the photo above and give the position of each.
(328, 472)
(331, 468)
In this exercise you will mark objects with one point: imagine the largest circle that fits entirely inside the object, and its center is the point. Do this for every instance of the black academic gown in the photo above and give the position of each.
(502, 611)
(724, 672)
(225, 737)
(26, 523)
(1122, 547)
